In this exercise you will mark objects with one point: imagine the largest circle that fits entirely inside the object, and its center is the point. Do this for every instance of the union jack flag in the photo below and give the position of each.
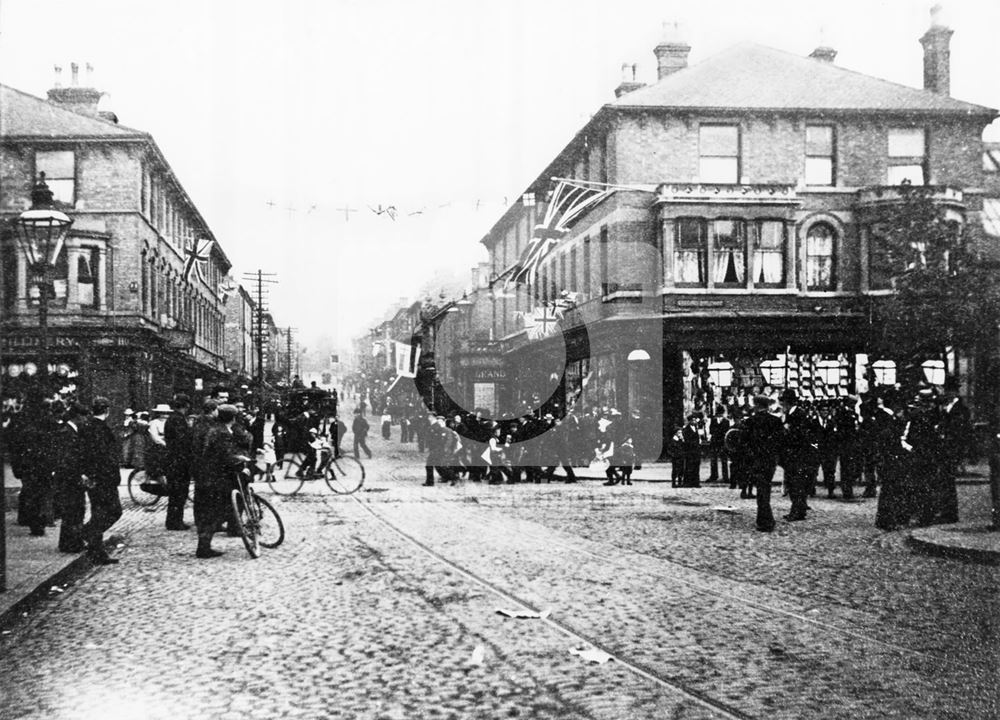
(196, 257)
(569, 200)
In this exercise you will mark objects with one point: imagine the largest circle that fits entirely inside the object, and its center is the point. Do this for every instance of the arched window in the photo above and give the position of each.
(821, 259)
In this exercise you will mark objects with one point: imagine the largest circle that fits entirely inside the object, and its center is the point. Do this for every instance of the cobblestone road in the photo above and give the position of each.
(349, 618)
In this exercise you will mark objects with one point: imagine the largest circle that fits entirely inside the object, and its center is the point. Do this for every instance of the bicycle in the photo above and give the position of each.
(343, 474)
(258, 522)
(146, 493)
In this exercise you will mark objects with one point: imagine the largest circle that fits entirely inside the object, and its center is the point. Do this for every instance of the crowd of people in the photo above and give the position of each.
(468, 445)
(913, 448)
(63, 452)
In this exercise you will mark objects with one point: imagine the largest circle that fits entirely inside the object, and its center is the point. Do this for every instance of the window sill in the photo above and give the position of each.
(727, 291)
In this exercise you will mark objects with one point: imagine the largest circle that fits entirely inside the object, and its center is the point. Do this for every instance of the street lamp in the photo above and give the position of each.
(41, 232)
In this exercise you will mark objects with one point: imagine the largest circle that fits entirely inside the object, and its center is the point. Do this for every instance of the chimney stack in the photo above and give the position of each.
(824, 53)
(73, 97)
(937, 56)
(628, 83)
(672, 52)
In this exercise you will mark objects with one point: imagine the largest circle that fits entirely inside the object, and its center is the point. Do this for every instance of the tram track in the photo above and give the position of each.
(572, 547)
(703, 700)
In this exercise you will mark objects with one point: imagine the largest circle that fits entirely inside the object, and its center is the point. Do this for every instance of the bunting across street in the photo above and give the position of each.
(569, 200)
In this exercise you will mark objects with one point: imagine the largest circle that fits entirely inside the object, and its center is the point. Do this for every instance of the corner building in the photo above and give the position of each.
(124, 321)
(735, 253)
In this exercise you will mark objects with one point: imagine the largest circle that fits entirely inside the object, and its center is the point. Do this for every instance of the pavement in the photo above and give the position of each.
(384, 605)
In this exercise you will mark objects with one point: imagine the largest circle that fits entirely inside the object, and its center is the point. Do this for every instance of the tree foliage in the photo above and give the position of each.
(946, 294)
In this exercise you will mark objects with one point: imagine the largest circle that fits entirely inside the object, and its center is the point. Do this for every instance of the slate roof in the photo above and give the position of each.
(24, 115)
(754, 76)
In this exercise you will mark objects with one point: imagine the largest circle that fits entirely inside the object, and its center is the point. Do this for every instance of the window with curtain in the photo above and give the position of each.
(59, 167)
(729, 247)
(769, 253)
(821, 243)
(690, 248)
(819, 155)
(719, 154)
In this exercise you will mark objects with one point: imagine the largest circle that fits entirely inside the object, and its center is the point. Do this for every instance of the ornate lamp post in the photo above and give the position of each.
(41, 232)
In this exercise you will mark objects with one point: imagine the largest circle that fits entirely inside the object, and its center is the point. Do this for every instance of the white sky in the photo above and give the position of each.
(444, 107)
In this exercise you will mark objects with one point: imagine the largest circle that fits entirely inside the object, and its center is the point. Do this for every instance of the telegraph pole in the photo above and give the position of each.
(288, 354)
(261, 280)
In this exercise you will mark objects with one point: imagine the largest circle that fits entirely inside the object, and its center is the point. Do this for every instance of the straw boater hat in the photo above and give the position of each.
(162, 408)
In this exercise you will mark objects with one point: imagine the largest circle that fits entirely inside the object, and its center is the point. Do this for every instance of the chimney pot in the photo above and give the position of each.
(75, 72)
(672, 52)
(58, 71)
(628, 83)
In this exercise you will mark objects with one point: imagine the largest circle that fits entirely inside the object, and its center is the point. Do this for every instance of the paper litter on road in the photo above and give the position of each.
(525, 614)
(478, 655)
(726, 508)
(591, 655)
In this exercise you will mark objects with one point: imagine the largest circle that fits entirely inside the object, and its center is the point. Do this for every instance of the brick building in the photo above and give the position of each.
(731, 249)
(240, 349)
(124, 321)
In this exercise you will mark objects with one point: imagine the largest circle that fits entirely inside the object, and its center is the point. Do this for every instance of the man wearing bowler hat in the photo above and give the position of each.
(760, 445)
(801, 449)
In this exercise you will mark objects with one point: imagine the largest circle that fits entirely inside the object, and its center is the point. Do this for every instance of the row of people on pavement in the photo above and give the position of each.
(530, 449)
(911, 447)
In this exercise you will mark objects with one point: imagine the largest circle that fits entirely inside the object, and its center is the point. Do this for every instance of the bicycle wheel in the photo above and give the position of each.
(272, 530)
(248, 522)
(284, 480)
(139, 496)
(345, 475)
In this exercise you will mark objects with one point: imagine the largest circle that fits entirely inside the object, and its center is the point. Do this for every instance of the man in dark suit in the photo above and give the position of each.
(69, 474)
(827, 447)
(718, 426)
(760, 444)
(359, 428)
(691, 450)
(956, 437)
(799, 455)
(219, 459)
(101, 462)
(849, 445)
(177, 434)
